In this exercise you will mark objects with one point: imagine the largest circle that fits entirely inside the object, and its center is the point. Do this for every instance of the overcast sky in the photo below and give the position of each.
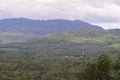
(105, 13)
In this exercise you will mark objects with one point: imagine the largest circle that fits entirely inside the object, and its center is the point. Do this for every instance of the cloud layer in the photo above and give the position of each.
(94, 11)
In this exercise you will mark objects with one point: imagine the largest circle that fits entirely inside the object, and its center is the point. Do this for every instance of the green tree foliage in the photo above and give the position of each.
(91, 70)
(117, 68)
(104, 67)
(100, 70)
(38, 66)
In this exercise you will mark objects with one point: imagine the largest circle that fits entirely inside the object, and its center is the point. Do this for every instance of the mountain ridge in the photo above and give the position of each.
(43, 27)
(22, 29)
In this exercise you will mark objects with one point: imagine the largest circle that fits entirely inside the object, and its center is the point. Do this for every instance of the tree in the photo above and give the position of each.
(117, 68)
(104, 67)
(90, 72)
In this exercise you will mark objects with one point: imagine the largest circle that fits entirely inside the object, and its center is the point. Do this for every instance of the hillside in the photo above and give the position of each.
(21, 29)
(78, 41)
(42, 27)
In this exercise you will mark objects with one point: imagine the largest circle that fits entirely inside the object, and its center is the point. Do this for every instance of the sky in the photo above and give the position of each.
(105, 13)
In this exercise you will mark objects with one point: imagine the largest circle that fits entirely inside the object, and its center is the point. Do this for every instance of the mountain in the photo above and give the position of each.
(21, 29)
(42, 27)
(84, 40)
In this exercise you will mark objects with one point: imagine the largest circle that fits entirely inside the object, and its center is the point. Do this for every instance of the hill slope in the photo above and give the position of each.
(42, 27)
(78, 41)
(21, 29)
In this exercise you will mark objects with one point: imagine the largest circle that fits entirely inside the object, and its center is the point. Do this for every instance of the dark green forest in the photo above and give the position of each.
(86, 54)
(56, 66)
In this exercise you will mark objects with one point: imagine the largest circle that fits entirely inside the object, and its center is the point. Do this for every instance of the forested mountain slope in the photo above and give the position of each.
(42, 27)
(78, 41)
(21, 29)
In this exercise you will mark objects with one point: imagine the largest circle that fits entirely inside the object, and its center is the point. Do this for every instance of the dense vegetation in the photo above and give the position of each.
(56, 66)
(62, 57)
(10, 37)
(39, 66)
(87, 41)
(102, 69)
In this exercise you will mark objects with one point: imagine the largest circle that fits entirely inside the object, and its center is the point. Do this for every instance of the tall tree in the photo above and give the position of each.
(90, 72)
(104, 67)
(117, 68)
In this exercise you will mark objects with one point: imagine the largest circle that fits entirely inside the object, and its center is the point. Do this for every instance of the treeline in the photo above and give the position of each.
(103, 69)
(37, 65)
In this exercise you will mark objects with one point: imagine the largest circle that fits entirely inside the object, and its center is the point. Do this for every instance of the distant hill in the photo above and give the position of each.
(78, 41)
(21, 29)
(114, 31)
(43, 27)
